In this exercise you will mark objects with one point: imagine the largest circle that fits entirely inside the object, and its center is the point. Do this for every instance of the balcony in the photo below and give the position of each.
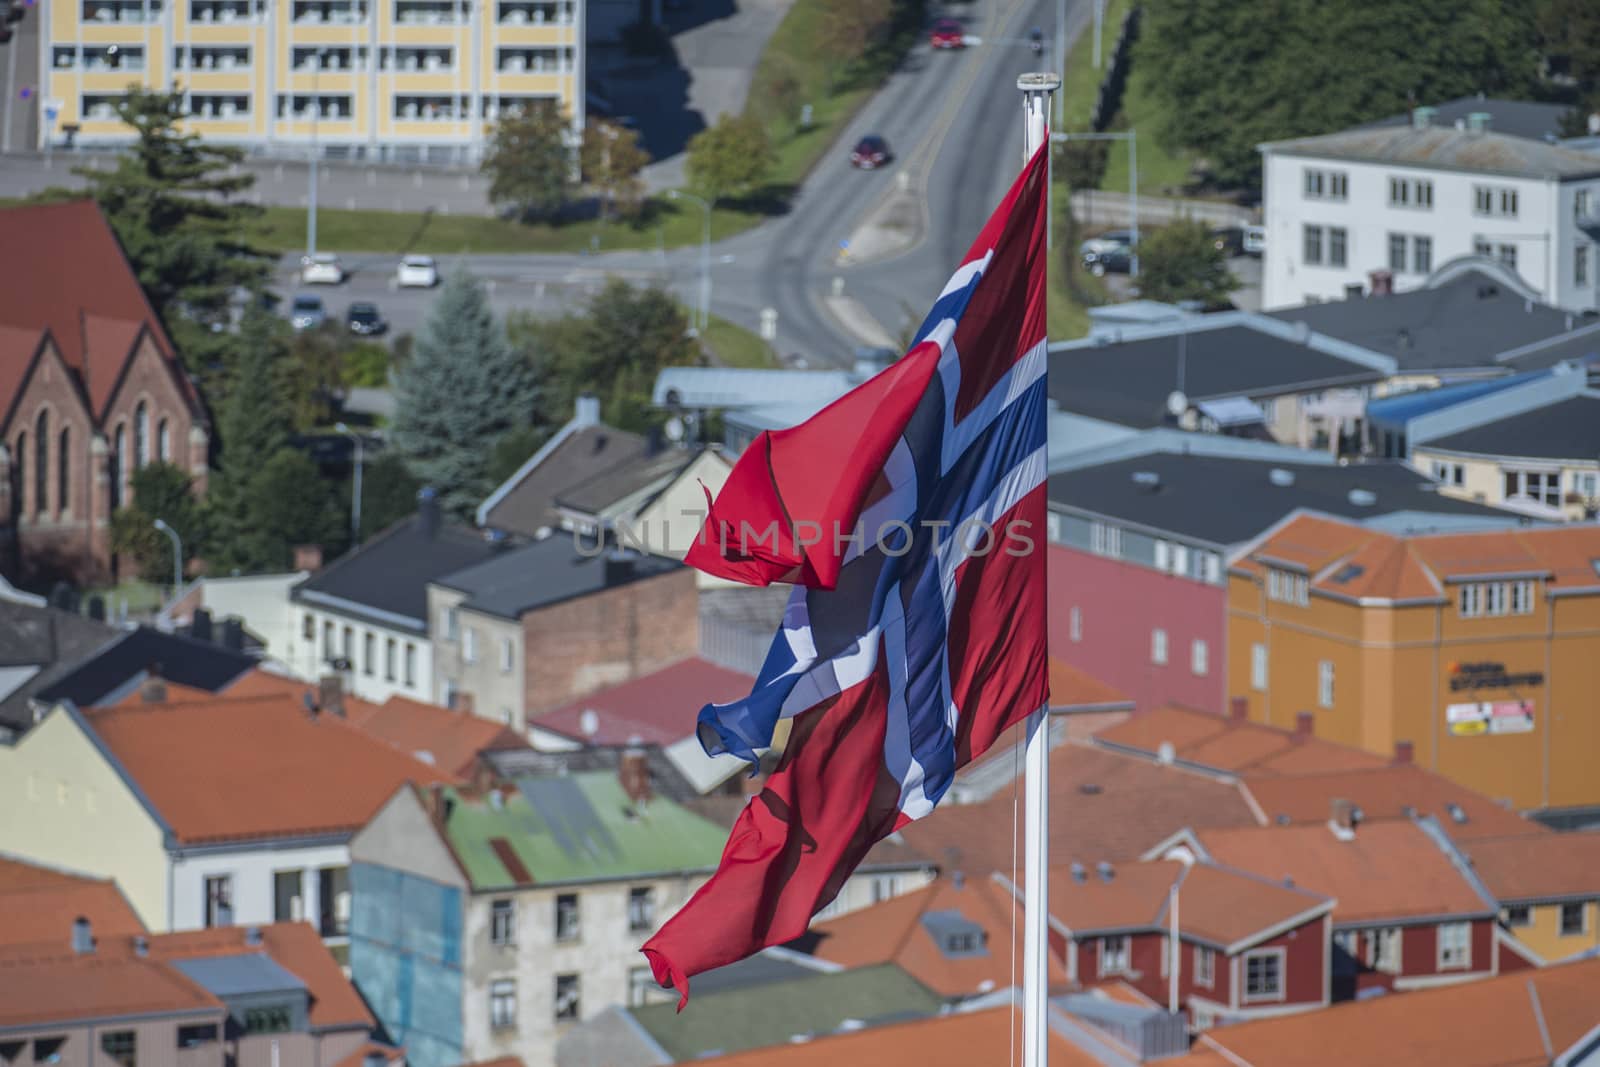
(431, 109)
(418, 60)
(531, 13)
(431, 12)
(106, 12)
(99, 59)
(212, 59)
(535, 61)
(327, 13)
(312, 59)
(100, 107)
(215, 107)
(225, 12)
(304, 107)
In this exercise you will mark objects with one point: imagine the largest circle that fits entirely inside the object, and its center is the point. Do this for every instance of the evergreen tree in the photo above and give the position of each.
(175, 208)
(461, 391)
(388, 493)
(253, 426)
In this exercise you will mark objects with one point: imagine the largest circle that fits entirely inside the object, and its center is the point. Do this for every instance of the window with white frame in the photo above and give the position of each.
(508, 657)
(567, 1004)
(1115, 955)
(449, 622)
(567, 917)
(503, 1004)
(1397, 253)
(1180, 559)
(1381, 949)
(1574, 918)
(1447, 473)
(641, 983)
(503, 922)
(1534, 487)
(1338, 246)
(1325, 683)
(1411, 192)
(219, 900)
(1075, 623)
(1516, 915)
(1482, 246)
(1507, 254)
(411, 664)
(1581, 203)
(1311, 250)
(1199, 657)
(1158, 646)
(390, 648)
(1580, 265)
(1455, 946)
(369, 653)
(1584, 483)
(641, 908)
(469, 644)
(1475, 600)
(1105, 540)
(1258, 667)
(1422, 254)
(1263, 975)
(1163, 555)
(1496, 200)
(1205, 966)
(1213, 568)
(1288, 587)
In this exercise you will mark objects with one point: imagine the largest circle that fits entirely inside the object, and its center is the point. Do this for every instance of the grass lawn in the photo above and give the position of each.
(731, 345)
(664, 223)
(143, 598)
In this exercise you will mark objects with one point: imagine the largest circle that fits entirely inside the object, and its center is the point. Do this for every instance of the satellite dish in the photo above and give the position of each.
(1177, 403)
(674, 429)
(589, 722)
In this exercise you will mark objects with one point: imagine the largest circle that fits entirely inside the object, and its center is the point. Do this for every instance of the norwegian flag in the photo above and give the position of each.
(910, 514)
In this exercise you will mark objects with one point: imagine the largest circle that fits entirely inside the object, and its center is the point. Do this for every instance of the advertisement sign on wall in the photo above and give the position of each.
(1498, 717)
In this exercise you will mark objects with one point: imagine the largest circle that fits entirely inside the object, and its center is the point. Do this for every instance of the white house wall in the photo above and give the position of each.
(252, 871)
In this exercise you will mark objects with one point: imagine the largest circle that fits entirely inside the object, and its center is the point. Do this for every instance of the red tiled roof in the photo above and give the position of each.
(1234, 745)
(296, 947)
(962, 1039)
(1072, 688)
(1495, 1022)
(38, 906)
(18, 346)
(1388, 870)
(657, 709)
(1386, 793)
(1538, 866)
(55, 986)
(76, 282)
(449, 740)
(254, 768)
(892, 932)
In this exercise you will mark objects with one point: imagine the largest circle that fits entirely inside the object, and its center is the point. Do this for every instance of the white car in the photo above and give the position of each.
(1255, 240)
(417, 271)
(321, 269)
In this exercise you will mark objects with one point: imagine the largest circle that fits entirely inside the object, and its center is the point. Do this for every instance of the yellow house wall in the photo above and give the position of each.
(65, 805)
(1543, 932)
(1483, 481)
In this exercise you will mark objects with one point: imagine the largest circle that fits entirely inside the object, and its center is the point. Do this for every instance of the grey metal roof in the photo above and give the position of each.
(1446, 148)
(387, 578)
(517, 580)
(1569, 429)
(730, 387)
(1227, 355)
(106, 674)
(1224, 501)
(235, 976)
(1465, 322)
(595, 495)
(48, 641)
(1582, 345)
(577, 455)
(945, 926)
(1518, 118)
(665, 778)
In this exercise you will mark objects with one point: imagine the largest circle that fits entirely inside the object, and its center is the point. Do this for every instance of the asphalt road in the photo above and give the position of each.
(953, 120)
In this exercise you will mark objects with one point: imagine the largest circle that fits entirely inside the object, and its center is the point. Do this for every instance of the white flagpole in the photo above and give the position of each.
(1036, 90)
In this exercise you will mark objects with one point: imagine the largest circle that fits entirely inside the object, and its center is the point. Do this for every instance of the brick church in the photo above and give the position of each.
(90, 390)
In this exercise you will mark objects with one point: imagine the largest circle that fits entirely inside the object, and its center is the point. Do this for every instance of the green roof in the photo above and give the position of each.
(576, 828)
(771, 1013)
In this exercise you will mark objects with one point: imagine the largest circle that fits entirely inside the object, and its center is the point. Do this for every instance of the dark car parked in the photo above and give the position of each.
(1115, 260)
(364, 319)
(870, 153)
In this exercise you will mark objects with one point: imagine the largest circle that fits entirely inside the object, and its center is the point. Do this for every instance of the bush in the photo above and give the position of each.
(366, 364)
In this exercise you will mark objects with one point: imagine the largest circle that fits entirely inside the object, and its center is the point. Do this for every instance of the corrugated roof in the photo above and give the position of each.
(1447, 148)
(579, 827)
(1400, 408)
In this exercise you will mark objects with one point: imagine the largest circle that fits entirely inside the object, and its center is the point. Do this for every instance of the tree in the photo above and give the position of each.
(1227, 76)
(849, 30)
(1181, 261)
(292, 504)
(388, 492)
(731, 158)
(160, 491)
(1569, 31)
(624, 338)
(252, 425)
(513, 450)
(462, 390)
(312, 374)
(612, 159)
(529, 164)
(175, 208)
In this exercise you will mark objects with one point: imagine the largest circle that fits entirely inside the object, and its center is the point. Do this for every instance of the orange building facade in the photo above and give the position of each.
(1476, 654)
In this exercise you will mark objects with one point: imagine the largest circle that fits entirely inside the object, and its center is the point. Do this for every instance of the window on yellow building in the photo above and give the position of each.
(1491, 599)
(1288, 587)
(1518, 915)
(1258, 667)
(1325, 683)
(1572, 918)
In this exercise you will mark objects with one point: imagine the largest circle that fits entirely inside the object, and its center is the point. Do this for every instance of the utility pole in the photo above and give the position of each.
(355, 489)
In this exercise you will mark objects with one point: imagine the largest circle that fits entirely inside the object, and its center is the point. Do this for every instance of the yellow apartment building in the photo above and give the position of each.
(380, 80)
(1481, 650)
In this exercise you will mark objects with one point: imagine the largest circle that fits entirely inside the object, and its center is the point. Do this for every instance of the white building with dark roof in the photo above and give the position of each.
(1403, 200)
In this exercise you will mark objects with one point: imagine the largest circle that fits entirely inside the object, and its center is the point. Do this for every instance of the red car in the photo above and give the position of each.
(947, 33)
(870, 153)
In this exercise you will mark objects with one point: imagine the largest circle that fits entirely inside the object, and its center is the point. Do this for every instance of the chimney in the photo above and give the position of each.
(1422, 117)
(428, 512)
(1239, 709)
(309, 700)
(82, 936)
(1342, 819)
(1478, 122)
(1079, 875)
(586, 411)
(200, 625)
(958, 879)
(1105, 871)
(1305, 724)
(330, 694)
(252, 936)
(1402, 753)
(461, 701)
(619, 569)
(634, 775)
(1380, 282)
(153, 690)
(233, 634)
(308, 558)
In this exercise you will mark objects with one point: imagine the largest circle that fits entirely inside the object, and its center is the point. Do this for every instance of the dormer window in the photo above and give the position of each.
(957, 936)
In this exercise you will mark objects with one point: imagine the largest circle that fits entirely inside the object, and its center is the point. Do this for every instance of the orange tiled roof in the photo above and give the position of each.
(1495, 1022)
(892, 932)
(1389, 870)
(56, 986)
(1114, 806)
(1072, 688)
(962, 1039)
(358, 1058)
(175, 694)
(1351, 561)
(1538, 866)
(1238, 746)
(260, 768)
(1227, 906)
(38, 906)
(1386, 793)
(449, 740)
(295, 947)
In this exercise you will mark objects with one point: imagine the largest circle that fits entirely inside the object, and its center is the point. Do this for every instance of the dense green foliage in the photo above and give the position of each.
(1181, 261)
(160, 491)
(529, 164)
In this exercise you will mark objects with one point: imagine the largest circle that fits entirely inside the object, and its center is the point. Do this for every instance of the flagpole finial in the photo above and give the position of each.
(1039, 82)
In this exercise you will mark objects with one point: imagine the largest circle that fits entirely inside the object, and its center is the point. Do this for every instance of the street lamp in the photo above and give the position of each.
(355, 490)
(316, 116)
(705, 253)
(1132, 138)
(177, 556)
